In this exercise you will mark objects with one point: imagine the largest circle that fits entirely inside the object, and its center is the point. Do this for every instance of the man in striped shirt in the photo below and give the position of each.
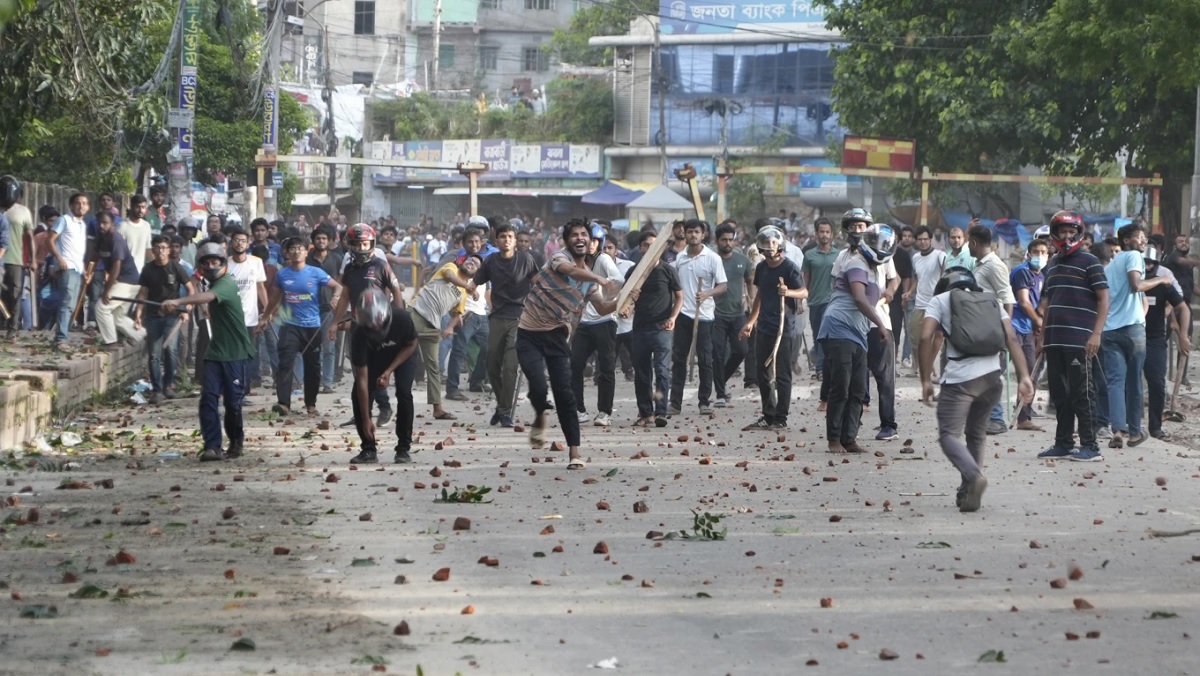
(1074, 304)
(557, 295)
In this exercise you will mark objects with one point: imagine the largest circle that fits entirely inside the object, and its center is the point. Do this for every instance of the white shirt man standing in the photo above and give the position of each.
(702, 277)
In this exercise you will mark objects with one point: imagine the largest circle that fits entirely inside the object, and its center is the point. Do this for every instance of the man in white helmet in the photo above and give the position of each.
(227, 357)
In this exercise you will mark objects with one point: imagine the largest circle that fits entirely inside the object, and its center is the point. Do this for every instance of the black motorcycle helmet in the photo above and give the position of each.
(374, 314)
(11, 191)
(956, 277)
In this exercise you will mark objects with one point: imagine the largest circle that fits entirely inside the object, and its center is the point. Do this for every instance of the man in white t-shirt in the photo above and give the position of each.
(137, 231)
(624, 324)
(474, 329)
(702, 277)
(251, 279)
(971, 386)
(597, 334)
(928, 264)
(68, 242)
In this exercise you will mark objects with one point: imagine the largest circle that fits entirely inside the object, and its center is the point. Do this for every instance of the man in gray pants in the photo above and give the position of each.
(971, 386)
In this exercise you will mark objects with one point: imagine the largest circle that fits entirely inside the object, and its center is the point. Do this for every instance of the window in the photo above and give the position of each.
(489, 57)
(446, 56)
(491, 4)
(364, 17)
(539, 4)
(360, 77)
(535, 59)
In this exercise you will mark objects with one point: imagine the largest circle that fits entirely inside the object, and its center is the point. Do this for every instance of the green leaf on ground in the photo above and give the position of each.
(703, 595)
(992, 656)
(359, 563)
(243, 645)
(475, 640)
(612, 472)
(933, 545)
(175, 525)
(370, 659)
(245, 594)
(1162, 615)
(89, 591)
(785, 531)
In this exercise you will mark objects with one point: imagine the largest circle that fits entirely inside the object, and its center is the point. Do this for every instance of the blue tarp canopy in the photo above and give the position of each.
(616, 192)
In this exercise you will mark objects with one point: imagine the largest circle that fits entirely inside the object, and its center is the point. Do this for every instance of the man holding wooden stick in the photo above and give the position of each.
(68, 243)
(780, 288)
(702, 277)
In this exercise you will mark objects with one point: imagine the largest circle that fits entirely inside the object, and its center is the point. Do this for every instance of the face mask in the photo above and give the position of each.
(1036, 262)
(212, 275)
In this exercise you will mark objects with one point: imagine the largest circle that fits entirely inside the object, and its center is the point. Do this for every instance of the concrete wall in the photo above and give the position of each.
(30, 398)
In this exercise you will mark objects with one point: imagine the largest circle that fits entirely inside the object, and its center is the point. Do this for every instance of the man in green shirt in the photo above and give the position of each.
(818, 279)
(728, 347)
(19, 252)
(158, 195)
(959, 256)
(228, 357)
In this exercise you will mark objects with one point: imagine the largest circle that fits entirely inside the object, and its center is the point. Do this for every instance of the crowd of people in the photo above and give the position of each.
(497, 301)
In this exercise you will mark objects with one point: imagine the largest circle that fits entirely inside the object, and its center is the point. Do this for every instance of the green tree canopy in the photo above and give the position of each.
(1060, 84)
(597, 18)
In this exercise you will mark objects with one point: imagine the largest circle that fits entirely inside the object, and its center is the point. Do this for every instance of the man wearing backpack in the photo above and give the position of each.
(977, 330)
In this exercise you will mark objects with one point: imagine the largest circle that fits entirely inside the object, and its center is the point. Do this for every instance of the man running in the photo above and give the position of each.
(161, 280)
(729, 349)
(559, 290)
(298, 287)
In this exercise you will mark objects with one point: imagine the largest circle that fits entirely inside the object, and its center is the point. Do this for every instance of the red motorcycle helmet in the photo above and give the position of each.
(1070, 244)
(361, 232)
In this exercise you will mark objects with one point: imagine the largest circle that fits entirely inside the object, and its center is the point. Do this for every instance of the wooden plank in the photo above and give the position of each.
(642, 269)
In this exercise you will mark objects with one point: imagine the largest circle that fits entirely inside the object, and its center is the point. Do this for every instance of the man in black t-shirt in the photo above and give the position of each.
(321, 256)
(1184, 268)
(161, 280)
(777, 279)
(120, 279)
(1159, 299)
(363, 270)
(381, 347)
(510, 272)
(902, 259)
(656, 305)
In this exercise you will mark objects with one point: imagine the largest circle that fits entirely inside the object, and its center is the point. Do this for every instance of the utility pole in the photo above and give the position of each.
(1195, 210)
(268, 207)
(330, 129)
(661, 80)
(432, 82)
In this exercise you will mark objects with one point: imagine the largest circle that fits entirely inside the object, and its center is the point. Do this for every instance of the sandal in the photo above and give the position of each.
(445, 415)
(537, 437)
(576, 463)
(65, 347)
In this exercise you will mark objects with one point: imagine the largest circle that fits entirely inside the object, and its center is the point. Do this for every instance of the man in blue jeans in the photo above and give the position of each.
(331, 262)
(68, 244)
(161, 280)
(1123, 344)
(228, 355)
(656, 305)
(474, 329)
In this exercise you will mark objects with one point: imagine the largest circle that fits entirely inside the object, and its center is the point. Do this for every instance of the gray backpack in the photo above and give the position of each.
(976, 329)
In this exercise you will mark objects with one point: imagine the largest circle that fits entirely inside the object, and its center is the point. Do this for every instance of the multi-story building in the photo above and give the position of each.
(488, 45)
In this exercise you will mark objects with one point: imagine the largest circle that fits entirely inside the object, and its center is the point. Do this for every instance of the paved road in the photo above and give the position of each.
(865, 533)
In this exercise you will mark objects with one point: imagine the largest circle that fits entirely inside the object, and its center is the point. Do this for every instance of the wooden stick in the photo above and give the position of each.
(87, 280)
(642, 270)
(772, 361)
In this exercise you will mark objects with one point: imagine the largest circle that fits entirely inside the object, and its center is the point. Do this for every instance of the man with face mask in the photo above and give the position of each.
(1026, 281)
(228, 354)
(1160, 298)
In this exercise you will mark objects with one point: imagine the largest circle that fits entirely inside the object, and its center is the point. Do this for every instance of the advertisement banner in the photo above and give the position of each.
(555, 160)
(726, 16)
(270, 117)
(423, 151)
(189, 60)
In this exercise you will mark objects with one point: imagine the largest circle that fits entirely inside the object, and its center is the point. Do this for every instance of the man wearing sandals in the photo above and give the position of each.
(445, 293)
(557, 295)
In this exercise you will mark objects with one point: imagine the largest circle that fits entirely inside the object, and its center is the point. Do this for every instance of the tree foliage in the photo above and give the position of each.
(68, 70)
(597, 18)
(579, 111)
(1060, 84)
